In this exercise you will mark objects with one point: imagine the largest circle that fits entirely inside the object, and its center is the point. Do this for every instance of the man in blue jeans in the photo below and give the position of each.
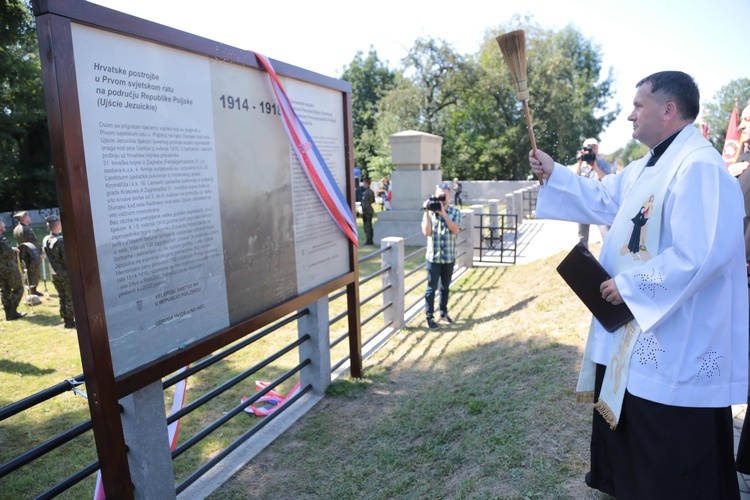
(440, 225)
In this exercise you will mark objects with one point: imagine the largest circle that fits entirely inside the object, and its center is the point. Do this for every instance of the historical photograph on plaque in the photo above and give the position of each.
(203, 215)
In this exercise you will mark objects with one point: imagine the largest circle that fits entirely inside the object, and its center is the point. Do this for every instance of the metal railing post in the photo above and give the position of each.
(317, 349)
(393, 294)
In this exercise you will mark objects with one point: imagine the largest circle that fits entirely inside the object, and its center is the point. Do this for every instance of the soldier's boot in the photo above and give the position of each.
(70, 323)
(32, 289)
(12, 314)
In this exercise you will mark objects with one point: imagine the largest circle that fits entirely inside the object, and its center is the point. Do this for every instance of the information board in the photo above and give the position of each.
(202, 215)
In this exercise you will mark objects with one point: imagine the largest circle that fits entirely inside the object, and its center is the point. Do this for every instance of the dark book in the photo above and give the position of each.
(584, 275)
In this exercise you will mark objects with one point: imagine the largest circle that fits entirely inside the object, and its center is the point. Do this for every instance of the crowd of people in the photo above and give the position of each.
(21, 265)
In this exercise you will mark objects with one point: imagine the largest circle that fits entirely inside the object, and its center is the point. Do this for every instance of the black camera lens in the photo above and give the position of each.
(434, 203)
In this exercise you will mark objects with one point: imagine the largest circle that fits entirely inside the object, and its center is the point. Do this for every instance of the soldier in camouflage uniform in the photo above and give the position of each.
(11, 285)
(24, 235)
(52, 244)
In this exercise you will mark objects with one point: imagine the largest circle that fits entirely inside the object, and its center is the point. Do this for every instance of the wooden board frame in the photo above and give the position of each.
(54, 18)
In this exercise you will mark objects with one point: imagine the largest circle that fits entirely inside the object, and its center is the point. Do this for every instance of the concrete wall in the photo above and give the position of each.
(477, 191)
(482, 191)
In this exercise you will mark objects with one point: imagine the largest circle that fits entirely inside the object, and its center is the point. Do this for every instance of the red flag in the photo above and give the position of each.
(731, 140)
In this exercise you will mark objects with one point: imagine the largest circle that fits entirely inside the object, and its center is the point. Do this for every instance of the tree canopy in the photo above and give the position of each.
(718, 111)
(470, 101)
(370, 80)
(27, 178)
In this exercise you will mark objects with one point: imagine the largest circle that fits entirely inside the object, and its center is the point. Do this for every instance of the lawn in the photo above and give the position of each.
(483, 408)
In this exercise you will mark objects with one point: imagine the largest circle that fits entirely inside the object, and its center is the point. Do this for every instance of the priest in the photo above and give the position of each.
(663, 385)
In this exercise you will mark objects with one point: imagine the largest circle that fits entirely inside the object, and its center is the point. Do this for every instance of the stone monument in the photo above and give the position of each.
(416, 161)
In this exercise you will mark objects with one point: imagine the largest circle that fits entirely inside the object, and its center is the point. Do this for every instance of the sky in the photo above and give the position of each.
(636, 37)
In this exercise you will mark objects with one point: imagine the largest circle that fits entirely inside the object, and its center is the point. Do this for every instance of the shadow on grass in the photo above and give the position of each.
(494, 421)
(37, 318)
(21, 368)
(482, 408)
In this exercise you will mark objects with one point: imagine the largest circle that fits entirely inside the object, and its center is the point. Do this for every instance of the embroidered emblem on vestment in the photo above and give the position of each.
(710, 364)
(651, 282)
(647, 349)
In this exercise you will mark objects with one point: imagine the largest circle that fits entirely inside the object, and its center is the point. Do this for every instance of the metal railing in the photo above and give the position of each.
(72, 384)
(498, 237)
(413, 261)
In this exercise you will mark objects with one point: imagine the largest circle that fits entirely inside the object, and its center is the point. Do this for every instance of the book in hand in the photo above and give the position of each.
(584, 275)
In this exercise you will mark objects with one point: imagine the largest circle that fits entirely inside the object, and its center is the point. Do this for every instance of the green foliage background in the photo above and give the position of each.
(26, 174)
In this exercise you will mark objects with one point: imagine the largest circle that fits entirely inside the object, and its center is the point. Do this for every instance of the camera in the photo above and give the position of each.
(435, 203)
(588, 156)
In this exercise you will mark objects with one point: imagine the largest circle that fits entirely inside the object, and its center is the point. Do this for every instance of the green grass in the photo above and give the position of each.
(483, 408)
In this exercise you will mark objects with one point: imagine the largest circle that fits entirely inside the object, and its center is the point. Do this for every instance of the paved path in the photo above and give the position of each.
(538, 239)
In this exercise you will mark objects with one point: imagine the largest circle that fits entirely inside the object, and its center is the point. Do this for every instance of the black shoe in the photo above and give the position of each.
(431, 323)
(70, 324)
(38, 294)
(446, 318)
(14, 315)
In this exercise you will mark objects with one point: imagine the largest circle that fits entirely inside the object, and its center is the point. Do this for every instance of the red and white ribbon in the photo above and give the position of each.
(314, 165)
(272, 400)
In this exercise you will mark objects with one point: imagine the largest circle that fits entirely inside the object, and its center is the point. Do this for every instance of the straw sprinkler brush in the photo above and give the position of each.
(513, 47)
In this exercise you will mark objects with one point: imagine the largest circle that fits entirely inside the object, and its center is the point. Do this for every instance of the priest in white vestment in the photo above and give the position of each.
(663, 385)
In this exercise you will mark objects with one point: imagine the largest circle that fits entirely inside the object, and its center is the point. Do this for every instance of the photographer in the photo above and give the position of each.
(440, 223)
(589, 165)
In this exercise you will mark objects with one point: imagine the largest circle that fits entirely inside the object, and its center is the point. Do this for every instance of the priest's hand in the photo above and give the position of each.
(542, 164)
(610, 293)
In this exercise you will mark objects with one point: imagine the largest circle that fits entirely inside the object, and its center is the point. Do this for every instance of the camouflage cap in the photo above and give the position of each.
(22, 213)
(52, 218)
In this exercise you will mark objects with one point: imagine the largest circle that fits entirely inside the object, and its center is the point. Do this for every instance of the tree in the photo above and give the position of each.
(568, 102)
(26, 175)
(633, 150)
(370, 80)
(435, 81)
(717, 112)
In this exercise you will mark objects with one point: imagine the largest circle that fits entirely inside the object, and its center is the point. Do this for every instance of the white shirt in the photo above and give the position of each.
(691, 299)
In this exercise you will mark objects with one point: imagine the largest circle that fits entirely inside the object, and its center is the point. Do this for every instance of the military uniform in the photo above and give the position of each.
(30, 250)
(54, 249)
(368, 198)
(11, 285)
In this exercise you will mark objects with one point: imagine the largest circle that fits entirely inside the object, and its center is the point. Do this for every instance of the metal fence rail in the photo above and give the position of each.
(498, 237)
(71, 384)
(413, 260)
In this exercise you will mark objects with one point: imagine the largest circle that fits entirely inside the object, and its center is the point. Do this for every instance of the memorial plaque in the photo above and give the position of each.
(202, 215)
